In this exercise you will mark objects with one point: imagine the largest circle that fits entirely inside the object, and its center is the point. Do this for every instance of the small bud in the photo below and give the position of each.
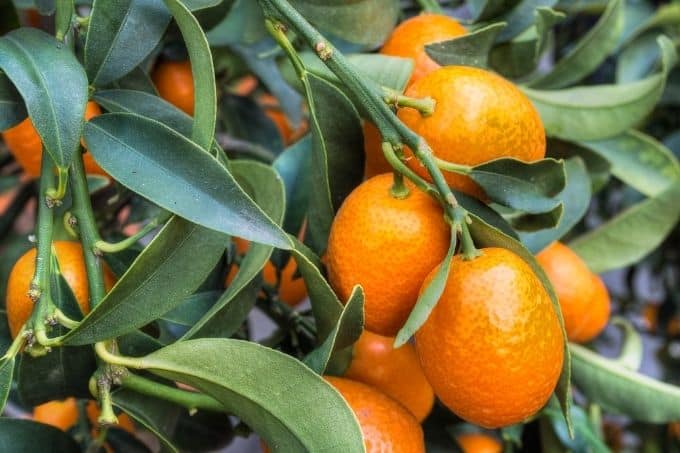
(323, 50)
(34, 294)
(72, 220)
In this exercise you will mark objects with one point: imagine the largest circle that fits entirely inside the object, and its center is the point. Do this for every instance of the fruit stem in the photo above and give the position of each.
(15, 347)
(469, 251)
(192, 401)
(82, 211)
(391, 128)
(65, 320)
(454, 168)
(114, 247)
(399, 189)
(56, 195)
(102, 350)
(394, 98)
(397, 163)
(106, 417)
(430, 6)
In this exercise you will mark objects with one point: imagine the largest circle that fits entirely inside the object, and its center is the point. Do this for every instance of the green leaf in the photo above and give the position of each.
(244, 24)
(484, 212)
(6, 374)
(638, 58)
(521, 56)
(601, 111)
(528, 186)
(156, 415)
(244, 118)
(485, 235)
(337, 157)
(467, 50)
(632, 349)
(192, 308)
(250, 385)
(173, 172)
(12, 109)
(599, 168)
(665, 15)
(346, 331)
(589, 52)
(137, 79)
(158, 280)
(116, 43)
(294, 166)
(428, 298)
(639, 160)
(630, 235)
(521, 17)
(605, 382)
(228, 313)
(584, 439)
(53, 86)
(147, 105)
(203, 431)
(366, 22)
(487, 9)
(203, 71)
(63, 18)
(575, 198)
(27, 436)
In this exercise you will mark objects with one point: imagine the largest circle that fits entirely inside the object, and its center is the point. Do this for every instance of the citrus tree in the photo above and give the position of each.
(444, 182)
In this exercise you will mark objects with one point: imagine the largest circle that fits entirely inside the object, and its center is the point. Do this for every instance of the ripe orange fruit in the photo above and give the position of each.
(479, 443)
(72, 266)
(273, 110)
(60, 414)
(292, 290)
(492, 347)
(23, 142)
(388, 246)
(385, 424)
(175, 83)
(395, 372)
(124, 420)
(410, 37)
(479, 116)
(584, 299)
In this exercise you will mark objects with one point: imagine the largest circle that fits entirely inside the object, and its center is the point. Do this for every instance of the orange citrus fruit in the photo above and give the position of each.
(410, 37)
(479, 116)
(385, 424)
(60, 414)
(72, 266)
(175, 83)
(376, 163)
(395, 372)
(583, 297)
(388, 246)
(292, 289)
(492, 347)
(479, 443)
(25, 145)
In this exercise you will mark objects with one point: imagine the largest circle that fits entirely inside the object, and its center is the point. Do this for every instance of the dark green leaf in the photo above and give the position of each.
(639, 160)
(428, 298)
(632, 234)
(6, 374)
(53, 85)
(599, 168)
(243, 118)
(203, 71)
(484, 212)
(366, 22)
(606, 382)
(575, 198)
(467, 50)
(597, 112)
(63, 18)
(529, 187)
(521, 17)
(585, 439)
(228, 313)
(156, 415)
(172, 171)
(521, 56)
(527, 222)
(137, 343)
(45, 7)
(26, 436)
(243, 25)
(250, 385)
(137, 80)
(485, 235)
(203, 431)
(337, 157)
(589, 52)
(12, 109)
(157, 281)
(192, 308)
(487, 9)
(346, 331)
(294, 166)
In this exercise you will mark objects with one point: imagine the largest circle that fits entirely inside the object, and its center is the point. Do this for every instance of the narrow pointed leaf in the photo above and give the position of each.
(467, 50)
(12, 109)
(173, 172)
(632, 234)
(428, 298)
(53, 86)
(604, 382)
(250, 385)
(6, 374)
(589, 52)
(27, 436)
(521, 17)
(158, 280)
(632, 349)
